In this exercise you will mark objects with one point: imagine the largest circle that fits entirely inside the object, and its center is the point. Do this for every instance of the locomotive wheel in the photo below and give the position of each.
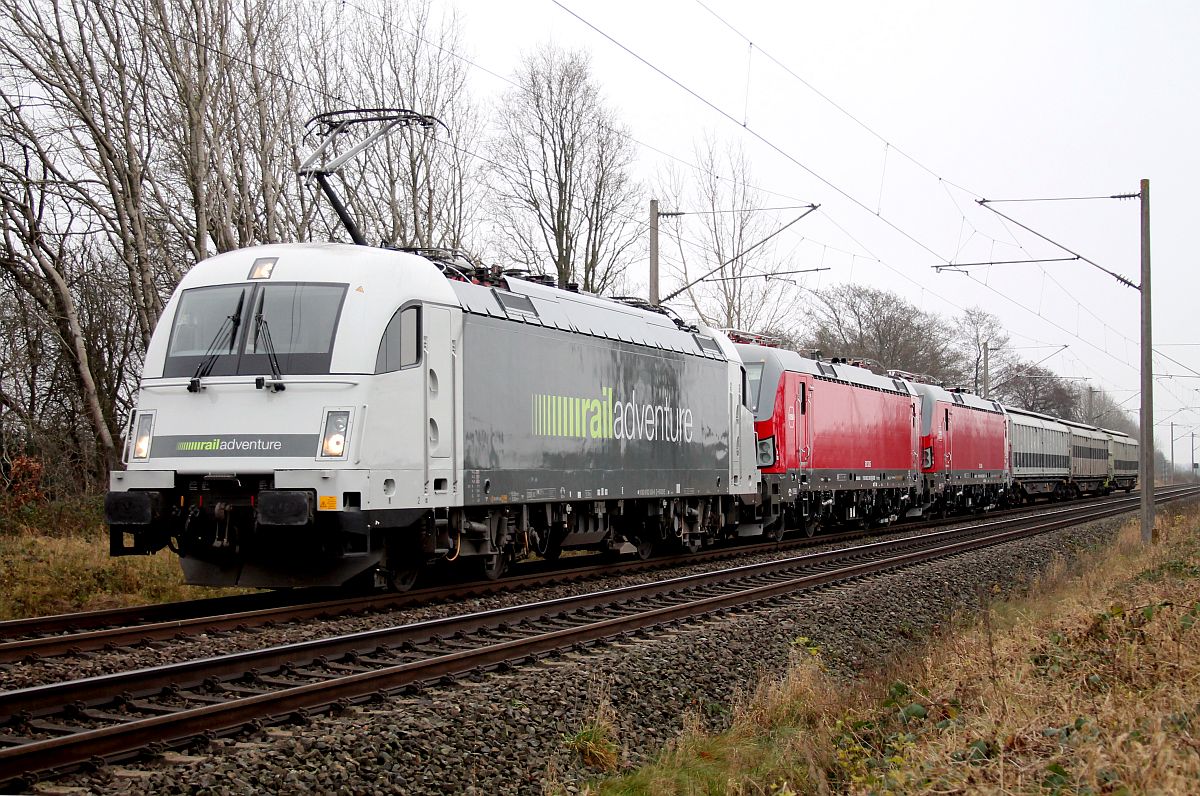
(553, 552)
(810, 528)
(494, 566)
(645, 547)
(403, 580)
(774, 532)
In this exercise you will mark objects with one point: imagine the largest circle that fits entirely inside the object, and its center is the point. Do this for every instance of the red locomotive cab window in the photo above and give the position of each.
(753, 372)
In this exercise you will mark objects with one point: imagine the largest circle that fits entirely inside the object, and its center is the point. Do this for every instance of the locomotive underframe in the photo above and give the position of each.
(964, 491)
(242, 530)
(807, 501)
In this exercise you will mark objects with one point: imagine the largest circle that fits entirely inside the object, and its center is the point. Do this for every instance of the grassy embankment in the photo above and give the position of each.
(54, 559)
(1090, 683)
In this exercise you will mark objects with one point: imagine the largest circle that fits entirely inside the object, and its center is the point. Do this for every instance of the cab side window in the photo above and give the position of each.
(401, 343)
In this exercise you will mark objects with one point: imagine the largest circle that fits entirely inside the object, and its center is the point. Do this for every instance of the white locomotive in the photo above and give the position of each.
(314, 413)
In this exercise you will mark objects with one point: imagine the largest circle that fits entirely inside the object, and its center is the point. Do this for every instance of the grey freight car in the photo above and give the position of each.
(1040, 454)
(1122, 460)
(1089, 459)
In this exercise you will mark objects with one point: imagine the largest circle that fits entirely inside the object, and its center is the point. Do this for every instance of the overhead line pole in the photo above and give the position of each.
(1147, 414)
(654, 216)
(1146, 452)
(654, 252)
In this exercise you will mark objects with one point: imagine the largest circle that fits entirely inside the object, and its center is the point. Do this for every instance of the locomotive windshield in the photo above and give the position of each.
(754, 371)
(220, 322)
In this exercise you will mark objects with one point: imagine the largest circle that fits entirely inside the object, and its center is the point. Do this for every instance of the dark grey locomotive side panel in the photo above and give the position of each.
(551, 415)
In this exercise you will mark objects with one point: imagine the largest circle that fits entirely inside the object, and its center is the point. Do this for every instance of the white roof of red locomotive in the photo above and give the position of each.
(957, 397)
(784, 360)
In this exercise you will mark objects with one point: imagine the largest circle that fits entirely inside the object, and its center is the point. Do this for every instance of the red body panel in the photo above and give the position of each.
(821, 424)
(972, 441)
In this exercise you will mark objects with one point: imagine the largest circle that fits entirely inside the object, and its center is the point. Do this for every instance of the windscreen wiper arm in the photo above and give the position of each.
(263, 331)
(213, 351)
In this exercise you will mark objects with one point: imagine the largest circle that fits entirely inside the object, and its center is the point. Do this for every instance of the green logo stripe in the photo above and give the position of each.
(605, 417)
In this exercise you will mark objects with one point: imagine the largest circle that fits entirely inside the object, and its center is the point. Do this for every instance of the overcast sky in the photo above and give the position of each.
(1019, 99)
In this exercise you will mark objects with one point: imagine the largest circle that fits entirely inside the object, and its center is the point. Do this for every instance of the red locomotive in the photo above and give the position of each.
(836, 443)
(964, 450)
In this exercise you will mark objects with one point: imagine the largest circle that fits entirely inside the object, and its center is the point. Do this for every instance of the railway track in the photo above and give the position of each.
(63, 725)
(67, 634)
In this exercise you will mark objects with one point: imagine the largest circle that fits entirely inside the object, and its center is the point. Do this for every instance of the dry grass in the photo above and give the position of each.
(54, 559)
(1089, 685)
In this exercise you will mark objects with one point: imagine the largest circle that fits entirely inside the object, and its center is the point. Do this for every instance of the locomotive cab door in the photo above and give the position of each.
(803, 446)
(948, 447)
(798, 424)
(442, 340)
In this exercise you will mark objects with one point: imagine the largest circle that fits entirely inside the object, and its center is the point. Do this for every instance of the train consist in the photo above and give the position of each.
(840, 444)
(319, 414)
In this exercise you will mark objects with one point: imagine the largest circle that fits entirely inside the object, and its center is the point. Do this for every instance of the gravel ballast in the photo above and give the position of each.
(505, 733)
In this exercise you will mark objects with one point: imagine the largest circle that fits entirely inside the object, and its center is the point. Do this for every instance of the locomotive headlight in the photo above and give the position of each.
(141, 437)
(335, 436)
(766, 452)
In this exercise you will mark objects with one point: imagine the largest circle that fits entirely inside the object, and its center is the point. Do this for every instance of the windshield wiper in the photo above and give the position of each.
(263, 331)
(213, 351)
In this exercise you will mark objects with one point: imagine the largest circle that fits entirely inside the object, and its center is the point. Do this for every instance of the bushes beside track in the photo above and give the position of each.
(1089, 683)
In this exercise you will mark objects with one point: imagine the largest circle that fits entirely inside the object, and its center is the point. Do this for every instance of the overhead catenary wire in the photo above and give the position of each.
(1066, 198)
(741, 254)
(767, 275)
(617, 130)
(833, 103)
(679, 84)
(985, 203)
(759, 136)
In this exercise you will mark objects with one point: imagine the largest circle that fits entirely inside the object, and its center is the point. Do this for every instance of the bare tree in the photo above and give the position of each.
(719, 232)
(1027, 386)
(418, 187)
(38, 258)
(566, 200)
(138, 136)
(863, 322)
(1107, 412)
(976, 329)
(76, 103)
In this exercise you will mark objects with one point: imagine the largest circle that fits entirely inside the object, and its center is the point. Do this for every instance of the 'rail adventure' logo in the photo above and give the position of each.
(608, 418)
(218, 444)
